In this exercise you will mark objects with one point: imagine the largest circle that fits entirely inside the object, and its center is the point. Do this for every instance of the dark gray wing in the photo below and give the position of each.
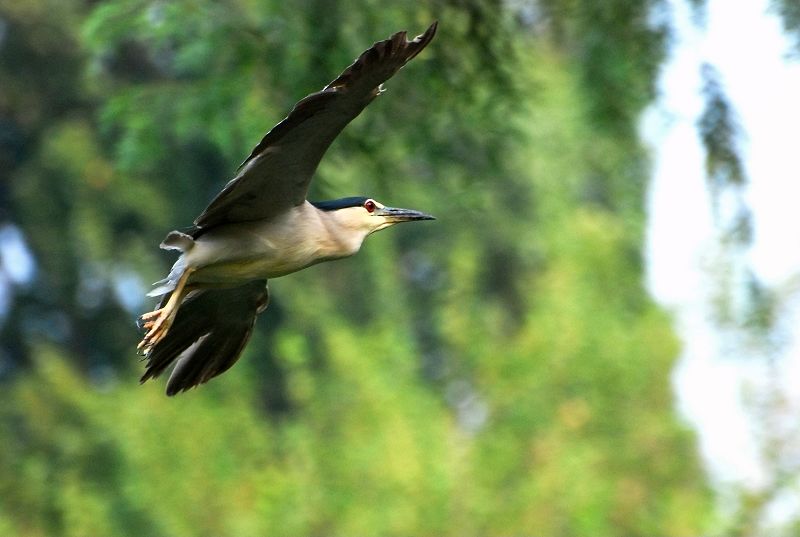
(276, 175)
(209, 333)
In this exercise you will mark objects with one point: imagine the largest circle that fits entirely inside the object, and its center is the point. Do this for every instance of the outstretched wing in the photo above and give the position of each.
(209, 333)
(276, 175)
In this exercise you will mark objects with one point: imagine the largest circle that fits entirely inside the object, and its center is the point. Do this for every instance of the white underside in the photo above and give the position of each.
(233, 254)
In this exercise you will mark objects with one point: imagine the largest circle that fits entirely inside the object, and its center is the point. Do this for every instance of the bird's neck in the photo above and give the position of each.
(336, 235)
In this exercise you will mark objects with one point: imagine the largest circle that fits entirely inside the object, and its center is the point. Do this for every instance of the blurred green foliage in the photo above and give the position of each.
(789, 11)
(499, 372)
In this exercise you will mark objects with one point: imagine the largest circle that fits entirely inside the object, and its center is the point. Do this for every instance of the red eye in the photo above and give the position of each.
(369, 205)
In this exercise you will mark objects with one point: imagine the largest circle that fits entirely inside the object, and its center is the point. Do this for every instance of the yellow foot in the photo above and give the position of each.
(157, 324)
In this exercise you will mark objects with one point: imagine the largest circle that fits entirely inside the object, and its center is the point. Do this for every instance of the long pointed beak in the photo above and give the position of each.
(394, 215)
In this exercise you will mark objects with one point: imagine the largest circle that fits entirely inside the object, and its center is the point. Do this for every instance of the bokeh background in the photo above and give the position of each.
(501, 371)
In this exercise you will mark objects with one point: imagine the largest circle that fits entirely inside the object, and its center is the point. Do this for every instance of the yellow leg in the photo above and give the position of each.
(158, 322)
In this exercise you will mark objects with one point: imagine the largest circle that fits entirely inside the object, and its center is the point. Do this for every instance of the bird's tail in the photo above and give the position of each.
(175, 240)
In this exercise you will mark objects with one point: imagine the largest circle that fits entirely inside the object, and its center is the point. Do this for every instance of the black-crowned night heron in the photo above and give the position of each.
(261, 226)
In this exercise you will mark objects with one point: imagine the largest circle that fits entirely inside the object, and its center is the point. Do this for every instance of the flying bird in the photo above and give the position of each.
(261, 226)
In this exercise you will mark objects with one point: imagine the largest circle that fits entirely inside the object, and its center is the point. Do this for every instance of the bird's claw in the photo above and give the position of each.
(156, 323)
(145, 320)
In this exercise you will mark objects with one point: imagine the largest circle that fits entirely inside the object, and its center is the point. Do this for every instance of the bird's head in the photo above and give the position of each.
(369, 215)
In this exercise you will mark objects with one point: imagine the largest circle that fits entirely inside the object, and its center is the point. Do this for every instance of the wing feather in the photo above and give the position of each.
(209, 334)
(276, 174)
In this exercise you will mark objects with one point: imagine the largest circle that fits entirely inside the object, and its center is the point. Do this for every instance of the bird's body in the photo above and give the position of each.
(264, 249)
(260, 226)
